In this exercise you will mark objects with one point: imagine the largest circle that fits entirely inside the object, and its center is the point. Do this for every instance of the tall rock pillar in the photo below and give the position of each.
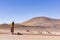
(12, 28)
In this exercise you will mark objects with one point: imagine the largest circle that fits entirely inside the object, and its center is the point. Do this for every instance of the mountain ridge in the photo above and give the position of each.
(42, 21)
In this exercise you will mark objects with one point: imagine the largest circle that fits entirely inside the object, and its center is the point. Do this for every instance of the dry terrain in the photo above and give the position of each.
(42, 28)
(27, 37)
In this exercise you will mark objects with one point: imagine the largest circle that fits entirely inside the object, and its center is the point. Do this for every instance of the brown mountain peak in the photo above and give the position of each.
(42, 21)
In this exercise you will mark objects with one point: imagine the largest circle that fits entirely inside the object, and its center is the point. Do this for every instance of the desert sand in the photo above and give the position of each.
(27, 37)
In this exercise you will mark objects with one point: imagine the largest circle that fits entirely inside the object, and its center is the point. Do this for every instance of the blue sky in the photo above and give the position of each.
(22, 10)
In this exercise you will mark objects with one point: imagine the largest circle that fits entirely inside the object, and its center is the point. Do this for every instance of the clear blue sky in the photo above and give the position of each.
(22, 10)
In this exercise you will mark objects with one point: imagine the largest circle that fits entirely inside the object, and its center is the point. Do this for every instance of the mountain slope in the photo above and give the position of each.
(43, 21)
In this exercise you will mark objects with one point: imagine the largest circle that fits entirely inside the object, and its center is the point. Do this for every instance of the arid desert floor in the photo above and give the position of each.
(27, 37)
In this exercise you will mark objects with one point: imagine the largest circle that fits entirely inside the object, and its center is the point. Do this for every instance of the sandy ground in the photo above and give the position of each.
(27, 37)
(4, 35)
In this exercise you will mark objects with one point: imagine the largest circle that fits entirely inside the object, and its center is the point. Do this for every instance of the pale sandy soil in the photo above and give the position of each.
(4, 35)
(27, 37)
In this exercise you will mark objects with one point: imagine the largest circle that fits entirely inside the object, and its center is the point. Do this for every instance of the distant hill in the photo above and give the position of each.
(36, 23)
(44, 22)
(8, 26)
(4, 26)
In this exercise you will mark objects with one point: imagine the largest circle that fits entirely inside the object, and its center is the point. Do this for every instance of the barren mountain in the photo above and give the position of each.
(36, 23)
(44, 22)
